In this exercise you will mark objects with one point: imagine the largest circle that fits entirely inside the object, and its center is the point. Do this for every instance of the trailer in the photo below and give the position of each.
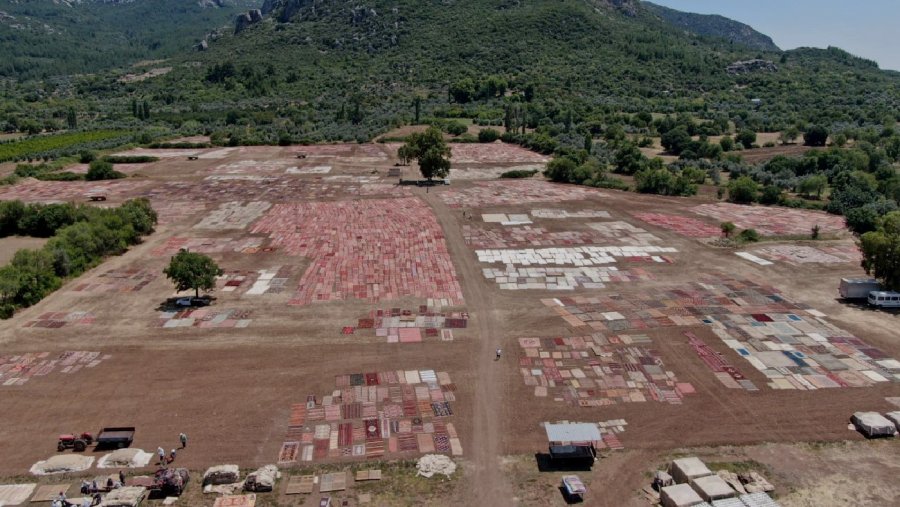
(857, 288)
(115, 437)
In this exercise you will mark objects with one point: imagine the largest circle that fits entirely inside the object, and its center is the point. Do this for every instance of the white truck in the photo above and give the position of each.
(857, 288)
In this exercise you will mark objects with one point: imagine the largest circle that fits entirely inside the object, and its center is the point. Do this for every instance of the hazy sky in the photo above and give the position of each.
(865, 28)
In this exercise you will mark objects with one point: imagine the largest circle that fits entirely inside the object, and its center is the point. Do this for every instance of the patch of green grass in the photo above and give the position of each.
(738, 467)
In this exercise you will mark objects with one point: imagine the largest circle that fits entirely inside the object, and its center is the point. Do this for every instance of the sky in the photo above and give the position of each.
(865, 28)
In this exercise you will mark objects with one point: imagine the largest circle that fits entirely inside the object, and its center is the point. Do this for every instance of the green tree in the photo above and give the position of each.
(771, 194)
(815, 136)
(463, 91)
(676, 140)
(727, 143)
(746, 137)
(189, 270)
(881, 251)
(789, 135)
(561, 170)
(813, 185)
(727, 228)
(742, 190)
(663, 182)
(629, 159)
(431, 151)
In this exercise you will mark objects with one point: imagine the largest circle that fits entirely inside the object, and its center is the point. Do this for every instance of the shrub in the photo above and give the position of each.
(82, 237)
(456, 128)
(742, 190)
(560, 170)
(815, 136)
(519, 173)
(488, 135)
(129, 159)
(771, 194)
(663, 182)
(102, 170)
(86, 157)
(749, 236)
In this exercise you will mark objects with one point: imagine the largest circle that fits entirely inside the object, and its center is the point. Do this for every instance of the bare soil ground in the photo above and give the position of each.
(9, 246)
(230, 389)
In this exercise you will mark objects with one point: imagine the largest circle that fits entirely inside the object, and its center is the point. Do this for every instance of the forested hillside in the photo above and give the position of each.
(592, 82)
(42, 38)
(714, 25)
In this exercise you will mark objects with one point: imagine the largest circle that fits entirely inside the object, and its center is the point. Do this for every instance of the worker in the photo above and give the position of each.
(172, 456)
(122, 477)
(498, 354)
(86, 502)
(162, 455)
(94, 487)
(110, 485)
(85, 487)
(183, 438)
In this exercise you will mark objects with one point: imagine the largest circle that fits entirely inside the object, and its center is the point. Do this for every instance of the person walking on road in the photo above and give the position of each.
(162, 455)
(183, 438)
(499, 352)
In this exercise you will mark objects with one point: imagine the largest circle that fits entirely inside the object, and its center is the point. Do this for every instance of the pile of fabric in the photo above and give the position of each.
(262, 480)
(130, 496)
(221, 474)
(125, 458)
(62, 463)
(431, 464)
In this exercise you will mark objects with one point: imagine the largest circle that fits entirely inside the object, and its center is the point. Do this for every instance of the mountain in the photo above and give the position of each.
(48, 38)
(318, 70)
(713, 25)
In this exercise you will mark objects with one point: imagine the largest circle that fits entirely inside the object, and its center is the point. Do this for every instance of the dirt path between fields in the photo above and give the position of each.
(486, 482)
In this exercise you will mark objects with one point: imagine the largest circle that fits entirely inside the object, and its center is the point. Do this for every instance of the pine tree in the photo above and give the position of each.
(134, 108)
(146, 113)
(72, 118)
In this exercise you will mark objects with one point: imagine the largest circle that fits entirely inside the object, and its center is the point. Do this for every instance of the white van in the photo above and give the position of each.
(884, 299)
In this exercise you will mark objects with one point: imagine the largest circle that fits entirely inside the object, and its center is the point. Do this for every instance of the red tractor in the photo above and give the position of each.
(77, 442)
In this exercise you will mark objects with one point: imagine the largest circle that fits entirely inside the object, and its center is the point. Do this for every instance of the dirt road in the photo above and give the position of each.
(486, 480)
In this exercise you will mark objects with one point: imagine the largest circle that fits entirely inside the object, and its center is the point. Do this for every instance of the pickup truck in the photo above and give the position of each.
(115, 437)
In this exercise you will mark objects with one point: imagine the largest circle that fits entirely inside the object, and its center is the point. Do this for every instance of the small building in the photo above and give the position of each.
(712, 487)
(572, 444)
(679, 495)
(688, 469)
(873, 424)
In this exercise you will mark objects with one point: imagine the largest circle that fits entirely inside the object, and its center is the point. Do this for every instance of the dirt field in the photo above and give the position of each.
(329, 262)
